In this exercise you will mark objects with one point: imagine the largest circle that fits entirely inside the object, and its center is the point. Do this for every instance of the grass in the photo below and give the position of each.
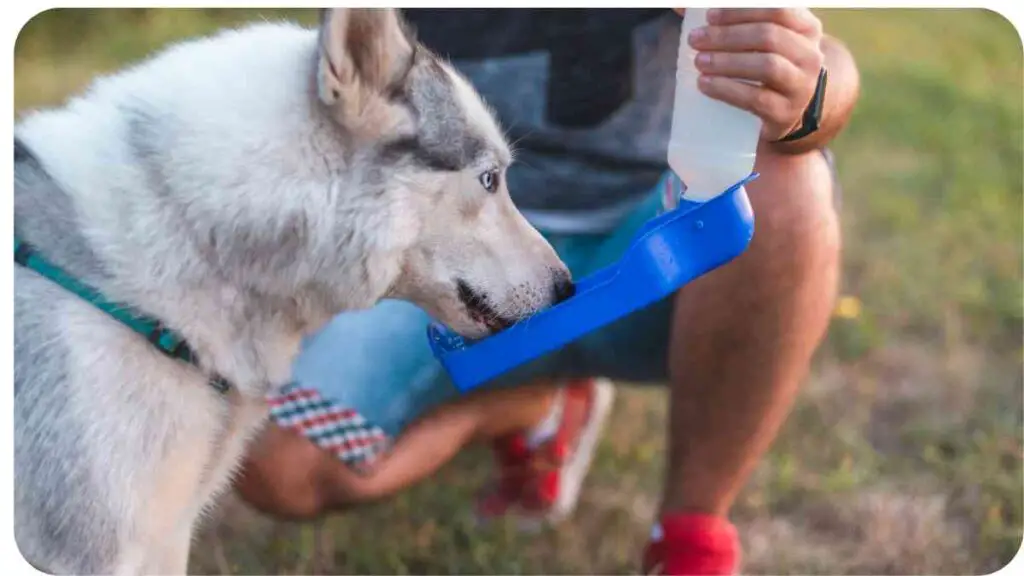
(903, 454)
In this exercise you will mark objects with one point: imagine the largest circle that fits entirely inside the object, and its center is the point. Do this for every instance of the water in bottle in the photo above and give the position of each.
(712, 144)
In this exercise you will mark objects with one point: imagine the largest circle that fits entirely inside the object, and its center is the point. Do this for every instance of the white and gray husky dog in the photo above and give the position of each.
(241, 189)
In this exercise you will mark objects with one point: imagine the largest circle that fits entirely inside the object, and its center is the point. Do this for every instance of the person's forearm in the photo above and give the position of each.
(841, 95)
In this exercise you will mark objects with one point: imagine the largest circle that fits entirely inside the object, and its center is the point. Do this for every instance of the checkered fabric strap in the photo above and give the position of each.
(334, 428)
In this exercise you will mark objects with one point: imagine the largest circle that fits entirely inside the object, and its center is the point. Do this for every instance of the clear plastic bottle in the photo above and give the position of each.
(713, 144)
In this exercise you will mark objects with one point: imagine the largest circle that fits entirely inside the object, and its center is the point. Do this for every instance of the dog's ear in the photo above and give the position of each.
(361, 49)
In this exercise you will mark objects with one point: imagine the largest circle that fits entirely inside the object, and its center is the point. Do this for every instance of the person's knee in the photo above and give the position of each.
(794, 203)
(793, 259)
(770, 305)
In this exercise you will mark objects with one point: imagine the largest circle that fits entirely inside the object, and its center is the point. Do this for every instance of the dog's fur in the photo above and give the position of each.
(243, 189)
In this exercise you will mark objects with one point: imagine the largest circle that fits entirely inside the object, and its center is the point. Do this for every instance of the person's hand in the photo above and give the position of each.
(764, 60)
(286, 475)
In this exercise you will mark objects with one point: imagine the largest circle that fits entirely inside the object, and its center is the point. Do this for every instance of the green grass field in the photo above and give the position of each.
(903, 455)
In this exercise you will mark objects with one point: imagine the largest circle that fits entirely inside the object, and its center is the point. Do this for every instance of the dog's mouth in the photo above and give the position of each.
(480, 310)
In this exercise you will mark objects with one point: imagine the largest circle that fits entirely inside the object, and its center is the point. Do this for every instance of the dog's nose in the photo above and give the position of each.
(564, 287)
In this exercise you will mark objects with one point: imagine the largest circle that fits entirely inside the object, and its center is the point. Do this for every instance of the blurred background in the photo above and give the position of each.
(903, 455)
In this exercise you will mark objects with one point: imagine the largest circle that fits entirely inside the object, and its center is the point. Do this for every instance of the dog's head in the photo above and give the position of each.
(436, 158)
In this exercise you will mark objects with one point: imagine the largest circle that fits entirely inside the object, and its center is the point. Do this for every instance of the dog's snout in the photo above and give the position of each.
(564, 286)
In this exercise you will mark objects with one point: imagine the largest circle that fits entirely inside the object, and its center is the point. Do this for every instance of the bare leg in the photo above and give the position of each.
(743, 335)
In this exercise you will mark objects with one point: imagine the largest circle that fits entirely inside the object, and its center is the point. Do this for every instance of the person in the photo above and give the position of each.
(587, 96)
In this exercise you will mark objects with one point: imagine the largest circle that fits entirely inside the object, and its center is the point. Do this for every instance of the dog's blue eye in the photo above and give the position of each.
(489, 180)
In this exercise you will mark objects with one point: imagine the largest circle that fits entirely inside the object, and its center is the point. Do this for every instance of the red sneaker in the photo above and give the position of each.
(543, 483)
(692, 545)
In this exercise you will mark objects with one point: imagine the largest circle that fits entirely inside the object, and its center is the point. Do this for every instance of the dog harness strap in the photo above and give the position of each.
(153, 330)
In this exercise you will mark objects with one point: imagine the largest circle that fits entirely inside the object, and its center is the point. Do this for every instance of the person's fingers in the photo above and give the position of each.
(797, 19)
(771, 70)
(757, 37)
(770, 106)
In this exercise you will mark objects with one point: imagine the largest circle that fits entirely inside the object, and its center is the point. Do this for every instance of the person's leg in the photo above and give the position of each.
(742, 341)
(743, 335)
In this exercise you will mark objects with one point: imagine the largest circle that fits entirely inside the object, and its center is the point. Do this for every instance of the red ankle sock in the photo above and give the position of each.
(692, 545)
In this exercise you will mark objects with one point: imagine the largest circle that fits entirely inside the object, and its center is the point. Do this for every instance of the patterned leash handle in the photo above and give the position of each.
(334, 428)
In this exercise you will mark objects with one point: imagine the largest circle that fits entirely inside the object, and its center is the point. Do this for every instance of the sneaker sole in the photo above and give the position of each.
(575, 471)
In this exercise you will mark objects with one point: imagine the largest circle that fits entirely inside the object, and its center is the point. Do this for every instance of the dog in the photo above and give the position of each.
(241, 190)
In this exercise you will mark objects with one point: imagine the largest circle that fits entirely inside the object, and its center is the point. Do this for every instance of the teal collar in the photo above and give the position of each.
(153, 330)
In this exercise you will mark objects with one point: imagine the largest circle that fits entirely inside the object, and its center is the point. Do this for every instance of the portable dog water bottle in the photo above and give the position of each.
(712, 151)
(712, 144)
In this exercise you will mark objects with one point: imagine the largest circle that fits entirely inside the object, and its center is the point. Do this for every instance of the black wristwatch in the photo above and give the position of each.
(812, 114)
